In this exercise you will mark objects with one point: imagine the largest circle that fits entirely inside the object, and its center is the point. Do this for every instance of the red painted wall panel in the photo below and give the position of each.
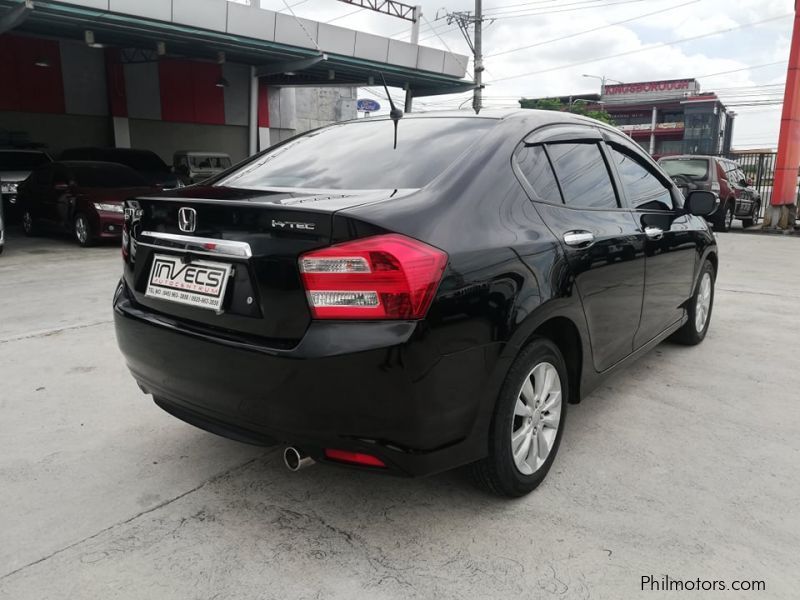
(189, 93)
(115, 81)
(26, 87)
(263, 104)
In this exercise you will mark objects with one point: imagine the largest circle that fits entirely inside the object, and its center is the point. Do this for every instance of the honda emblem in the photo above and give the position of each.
(187, 219)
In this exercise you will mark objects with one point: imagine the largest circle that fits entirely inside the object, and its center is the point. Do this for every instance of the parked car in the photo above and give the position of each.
(15, 166)
(737, 197)
(80, 197)
(2, 230)
(145, 162)
(420, 308)
(194, 167)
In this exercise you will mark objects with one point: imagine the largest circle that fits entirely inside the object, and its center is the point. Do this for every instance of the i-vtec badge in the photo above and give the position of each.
(296, 225)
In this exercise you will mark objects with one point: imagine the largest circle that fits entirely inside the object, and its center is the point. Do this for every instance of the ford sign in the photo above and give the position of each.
(367, 105)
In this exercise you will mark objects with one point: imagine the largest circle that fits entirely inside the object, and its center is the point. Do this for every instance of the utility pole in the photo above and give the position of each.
(478, 61)
(466, 21)
(414, 40)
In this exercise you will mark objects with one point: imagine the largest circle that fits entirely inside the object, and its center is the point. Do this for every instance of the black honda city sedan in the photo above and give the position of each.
(413, 309)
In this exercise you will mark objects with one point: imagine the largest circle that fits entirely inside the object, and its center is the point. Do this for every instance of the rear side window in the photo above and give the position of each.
(536, 169)
(583, 175)
(642, 188)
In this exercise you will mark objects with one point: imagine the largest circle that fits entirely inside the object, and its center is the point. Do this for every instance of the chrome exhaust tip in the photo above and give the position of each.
(295, 459)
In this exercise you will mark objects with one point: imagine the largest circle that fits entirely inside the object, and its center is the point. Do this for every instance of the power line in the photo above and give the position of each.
(344, 15)
(527, 13)
(585, 31)
(752, 67)
(630, 52)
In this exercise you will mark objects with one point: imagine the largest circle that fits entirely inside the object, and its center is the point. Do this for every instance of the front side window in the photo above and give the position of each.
(536, 169)
(359, 155)
(643, 190)
(583, 175)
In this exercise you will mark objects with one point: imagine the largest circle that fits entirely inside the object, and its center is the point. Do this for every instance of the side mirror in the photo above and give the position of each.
(700, 203)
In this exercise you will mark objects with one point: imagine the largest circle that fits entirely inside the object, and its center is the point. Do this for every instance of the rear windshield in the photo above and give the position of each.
(695, 168)
(106, 176)
(210, 162)
(22, 161)
(359, 155)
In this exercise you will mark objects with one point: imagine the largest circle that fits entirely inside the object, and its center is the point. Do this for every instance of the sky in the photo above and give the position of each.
(570, 38)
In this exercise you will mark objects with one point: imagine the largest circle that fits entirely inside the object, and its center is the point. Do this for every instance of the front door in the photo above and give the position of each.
(671, 245)
(599, 237)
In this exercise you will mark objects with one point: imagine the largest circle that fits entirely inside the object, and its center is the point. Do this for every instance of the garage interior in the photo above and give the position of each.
(205, 75)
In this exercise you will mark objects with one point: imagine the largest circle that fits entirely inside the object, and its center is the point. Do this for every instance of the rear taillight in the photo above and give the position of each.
(381, 277)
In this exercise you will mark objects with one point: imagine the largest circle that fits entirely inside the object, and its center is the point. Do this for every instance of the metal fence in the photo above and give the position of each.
(760, 167)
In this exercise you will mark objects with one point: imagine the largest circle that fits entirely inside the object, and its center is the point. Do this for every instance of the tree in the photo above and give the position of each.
(578, 108)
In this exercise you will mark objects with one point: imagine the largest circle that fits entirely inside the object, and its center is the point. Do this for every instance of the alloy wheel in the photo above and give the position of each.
(537, 415)
(81, 229)
(729, 219)
(703, 305)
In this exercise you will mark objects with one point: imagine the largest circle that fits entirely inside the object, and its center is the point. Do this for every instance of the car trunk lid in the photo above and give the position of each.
(259, 233)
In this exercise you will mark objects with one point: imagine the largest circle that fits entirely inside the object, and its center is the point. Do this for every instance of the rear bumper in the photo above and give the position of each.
(379, 388)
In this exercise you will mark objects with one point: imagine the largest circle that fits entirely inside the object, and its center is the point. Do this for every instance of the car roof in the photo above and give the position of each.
(23, 150)
(201, 153)
(91, 163)
(108, 149)
(545, 117)
(688, 156)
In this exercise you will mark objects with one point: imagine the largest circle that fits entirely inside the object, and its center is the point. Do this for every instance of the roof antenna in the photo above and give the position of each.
(395, 114)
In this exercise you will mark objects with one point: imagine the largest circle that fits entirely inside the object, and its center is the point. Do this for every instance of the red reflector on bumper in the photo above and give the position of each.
(355, 458)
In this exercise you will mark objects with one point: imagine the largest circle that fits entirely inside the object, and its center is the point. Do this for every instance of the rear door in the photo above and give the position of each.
(671, 245)
(566, 172)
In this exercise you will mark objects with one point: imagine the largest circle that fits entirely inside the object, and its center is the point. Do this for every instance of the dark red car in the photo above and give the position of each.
(80, 197)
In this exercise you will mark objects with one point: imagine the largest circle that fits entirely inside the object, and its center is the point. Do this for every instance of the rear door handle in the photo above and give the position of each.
(578, 238)
(654, 233)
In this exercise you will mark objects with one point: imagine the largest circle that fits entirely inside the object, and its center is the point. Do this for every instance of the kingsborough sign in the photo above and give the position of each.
(650, 90)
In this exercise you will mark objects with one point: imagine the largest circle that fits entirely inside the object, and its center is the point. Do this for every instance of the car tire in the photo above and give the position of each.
(530, 412)
(28, 223)
(753, 219)
(699, 309)
(82, 228)
(725, 219)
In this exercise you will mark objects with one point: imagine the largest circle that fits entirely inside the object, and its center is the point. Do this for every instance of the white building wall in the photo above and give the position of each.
(295, 110)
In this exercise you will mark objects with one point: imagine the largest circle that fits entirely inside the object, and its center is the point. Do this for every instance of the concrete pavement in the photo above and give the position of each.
(684, 464)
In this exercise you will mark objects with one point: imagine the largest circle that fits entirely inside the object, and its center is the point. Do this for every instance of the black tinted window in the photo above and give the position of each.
(106, 176)
(642, 188)
(43, 175)
(22, 161)
(535, 166)
(359, 155)
(583, 175)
